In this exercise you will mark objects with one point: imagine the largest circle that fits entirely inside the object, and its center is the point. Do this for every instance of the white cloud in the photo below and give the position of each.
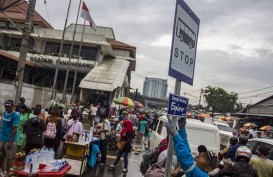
(234, 44)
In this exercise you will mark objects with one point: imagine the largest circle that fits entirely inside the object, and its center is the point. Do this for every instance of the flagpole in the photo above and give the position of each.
(59, 56)
(76, 71)
(70, 55)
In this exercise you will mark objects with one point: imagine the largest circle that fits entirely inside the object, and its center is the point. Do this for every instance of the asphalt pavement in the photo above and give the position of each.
(133, 167)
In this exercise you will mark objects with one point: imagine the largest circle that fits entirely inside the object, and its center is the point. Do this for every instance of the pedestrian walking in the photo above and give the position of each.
(34, 129)
(263, 166)
(104, 134)
(143, 133)
(199, 166)
(25, 115)
(53, 133)
(8, 135)
(240, 168)
(93, 114)
(126, 136)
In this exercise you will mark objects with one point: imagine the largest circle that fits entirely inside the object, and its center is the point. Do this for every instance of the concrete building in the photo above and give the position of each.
(155, 87)
(100, 50)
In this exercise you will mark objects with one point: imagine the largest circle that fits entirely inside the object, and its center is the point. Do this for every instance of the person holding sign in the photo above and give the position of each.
(199, 166)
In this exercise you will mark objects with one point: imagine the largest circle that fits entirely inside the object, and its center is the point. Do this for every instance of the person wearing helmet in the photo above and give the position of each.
(231, 153)
(232, 142)
(199, 166)
(240, 168)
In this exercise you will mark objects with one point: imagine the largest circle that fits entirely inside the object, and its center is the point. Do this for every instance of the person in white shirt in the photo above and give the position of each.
(119, 127)
(93, 114)
(104, 134)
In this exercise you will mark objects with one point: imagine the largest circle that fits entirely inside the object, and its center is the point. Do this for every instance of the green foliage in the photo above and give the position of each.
(138, 98)
(221, 101)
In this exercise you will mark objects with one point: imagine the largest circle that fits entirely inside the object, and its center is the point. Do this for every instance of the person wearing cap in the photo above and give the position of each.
(25, 115)
(263, 166)
(199, 166)
(8, 135)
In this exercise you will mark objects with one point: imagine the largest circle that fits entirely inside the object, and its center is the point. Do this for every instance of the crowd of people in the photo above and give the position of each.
(24, 129)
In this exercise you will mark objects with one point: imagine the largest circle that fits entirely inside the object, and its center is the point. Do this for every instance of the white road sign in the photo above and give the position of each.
(184, 43)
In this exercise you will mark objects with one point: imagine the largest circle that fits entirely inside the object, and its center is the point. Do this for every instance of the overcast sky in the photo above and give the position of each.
(234, 46)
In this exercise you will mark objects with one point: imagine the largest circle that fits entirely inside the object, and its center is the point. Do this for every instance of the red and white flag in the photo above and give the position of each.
(86, 15)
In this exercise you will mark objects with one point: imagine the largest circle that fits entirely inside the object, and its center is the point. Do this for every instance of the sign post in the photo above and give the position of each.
(182, 63)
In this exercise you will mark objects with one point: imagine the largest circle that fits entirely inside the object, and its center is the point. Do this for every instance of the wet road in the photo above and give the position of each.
(133, 167)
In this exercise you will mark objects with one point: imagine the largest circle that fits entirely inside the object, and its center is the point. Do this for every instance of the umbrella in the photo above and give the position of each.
(125, 101)
(250, 125)
(138, 105)
(267, 128)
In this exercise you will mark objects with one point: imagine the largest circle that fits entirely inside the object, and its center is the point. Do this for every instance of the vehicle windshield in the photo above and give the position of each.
(224, 128)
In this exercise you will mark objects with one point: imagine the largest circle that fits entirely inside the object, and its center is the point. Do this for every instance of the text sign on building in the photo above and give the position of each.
(177, 105)
(184, 43)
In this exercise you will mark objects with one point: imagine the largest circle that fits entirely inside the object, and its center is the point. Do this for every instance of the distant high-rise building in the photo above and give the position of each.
(155, 87)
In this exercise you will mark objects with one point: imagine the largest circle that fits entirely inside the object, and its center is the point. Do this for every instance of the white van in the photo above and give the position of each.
(199, 133)
(224, 129)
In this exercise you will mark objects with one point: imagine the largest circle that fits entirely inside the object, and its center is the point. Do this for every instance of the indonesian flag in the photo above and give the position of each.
(86, 15)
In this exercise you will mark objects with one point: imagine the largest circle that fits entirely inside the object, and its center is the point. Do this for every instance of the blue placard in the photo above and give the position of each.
(177, 105)
(184, 43)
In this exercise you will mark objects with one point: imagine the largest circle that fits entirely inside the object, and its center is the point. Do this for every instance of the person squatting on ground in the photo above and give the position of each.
(8, 135)
(199, 166)
(34, 129)
(126, 135)
(240, 168)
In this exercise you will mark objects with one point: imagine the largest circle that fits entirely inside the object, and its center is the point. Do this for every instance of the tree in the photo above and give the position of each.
(221, 101)
(139, 97)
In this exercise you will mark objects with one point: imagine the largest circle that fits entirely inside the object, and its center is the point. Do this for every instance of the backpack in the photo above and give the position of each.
(51, 131)
(156, 170)
(34, 131)
(150, 158)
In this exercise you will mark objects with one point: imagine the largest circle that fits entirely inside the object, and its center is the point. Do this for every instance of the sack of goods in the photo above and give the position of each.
(149, 159)
(156, 170)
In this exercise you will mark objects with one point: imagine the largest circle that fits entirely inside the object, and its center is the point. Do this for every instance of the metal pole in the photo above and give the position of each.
(59, 56)
(171, 145)
(70, 55)
(76, 70)
(24, 49)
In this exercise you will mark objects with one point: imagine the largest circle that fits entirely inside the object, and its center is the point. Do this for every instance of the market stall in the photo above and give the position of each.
(39, 163)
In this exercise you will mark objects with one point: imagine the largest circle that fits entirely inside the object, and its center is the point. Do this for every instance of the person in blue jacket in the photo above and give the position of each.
(231, 152)
(199, 166)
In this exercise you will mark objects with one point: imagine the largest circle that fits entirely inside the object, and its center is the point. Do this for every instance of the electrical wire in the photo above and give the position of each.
(256, 90)
(256, 95)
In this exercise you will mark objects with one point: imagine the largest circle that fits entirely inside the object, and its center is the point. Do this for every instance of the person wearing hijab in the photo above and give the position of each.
(126, 135)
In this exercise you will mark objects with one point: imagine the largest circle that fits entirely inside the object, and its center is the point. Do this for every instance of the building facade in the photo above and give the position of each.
(261, 113)
(99, 48)
(155, 87)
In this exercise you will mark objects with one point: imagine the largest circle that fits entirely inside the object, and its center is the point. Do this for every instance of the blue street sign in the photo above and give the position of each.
(184, 43)
(177, 105)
